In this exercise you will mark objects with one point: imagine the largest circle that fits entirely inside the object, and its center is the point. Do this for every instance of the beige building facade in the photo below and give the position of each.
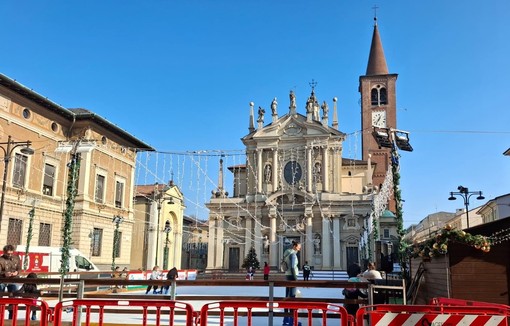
(40, 182)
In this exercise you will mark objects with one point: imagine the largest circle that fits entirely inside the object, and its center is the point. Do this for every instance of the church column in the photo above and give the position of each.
(325, 169)
(275, 170)
(326, 243)
(309, 170)
(258, 236)
(309, 235)
(337, 258)
(211, 244)
(248, 238)
(260, 173)
(220, 245)
(273, 249)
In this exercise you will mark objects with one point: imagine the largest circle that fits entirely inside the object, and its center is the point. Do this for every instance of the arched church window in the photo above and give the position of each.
(374, 96)
(383, 96)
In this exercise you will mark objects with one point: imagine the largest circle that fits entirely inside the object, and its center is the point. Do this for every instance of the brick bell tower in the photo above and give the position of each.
(378, 108)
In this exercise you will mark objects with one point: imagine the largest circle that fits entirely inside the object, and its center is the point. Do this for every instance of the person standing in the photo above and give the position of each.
(291, 275)
(306, 271)
(371, 273)
(155, 275)
(171, 276)
(10, 266)
(266, 271)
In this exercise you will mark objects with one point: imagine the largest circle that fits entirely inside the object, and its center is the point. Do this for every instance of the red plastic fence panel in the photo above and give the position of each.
(409, 315)
(462, 302)
(98, 312)
(19, 309)
(234, 309)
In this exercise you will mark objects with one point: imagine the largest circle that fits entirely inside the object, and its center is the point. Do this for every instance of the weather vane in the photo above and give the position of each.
(375, 12)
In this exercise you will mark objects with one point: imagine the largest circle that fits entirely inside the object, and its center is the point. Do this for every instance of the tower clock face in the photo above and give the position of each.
(379, 119)
(292, 172)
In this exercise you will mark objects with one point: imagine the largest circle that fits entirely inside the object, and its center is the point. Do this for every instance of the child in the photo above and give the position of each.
(155, 275)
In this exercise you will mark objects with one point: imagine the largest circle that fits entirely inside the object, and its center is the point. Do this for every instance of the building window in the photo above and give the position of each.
(44, 234)
(379, 96)
(97, 239)
(20, 170)
(99, 188)
(117, 240)
(48, 180)
(119, 193)
(14, 231)
(386, 233)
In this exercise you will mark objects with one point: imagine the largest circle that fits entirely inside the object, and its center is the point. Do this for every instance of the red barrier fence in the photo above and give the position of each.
(308, 311)
(167, 312)
(462, 302)
(17, 309)
(409, 315)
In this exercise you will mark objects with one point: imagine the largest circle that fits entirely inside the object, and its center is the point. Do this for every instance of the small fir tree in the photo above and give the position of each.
(251, 260)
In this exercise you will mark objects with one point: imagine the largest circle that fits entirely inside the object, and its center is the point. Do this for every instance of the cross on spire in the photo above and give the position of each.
(375, 13)
(312, 84)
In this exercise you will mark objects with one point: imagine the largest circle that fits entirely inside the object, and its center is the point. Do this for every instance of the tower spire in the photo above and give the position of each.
(376, 61)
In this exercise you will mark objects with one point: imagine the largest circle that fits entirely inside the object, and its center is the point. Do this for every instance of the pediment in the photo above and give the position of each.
(292, 127)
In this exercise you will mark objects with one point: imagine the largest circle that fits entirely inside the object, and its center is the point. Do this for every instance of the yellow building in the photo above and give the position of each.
(40, 181)
(158, 230)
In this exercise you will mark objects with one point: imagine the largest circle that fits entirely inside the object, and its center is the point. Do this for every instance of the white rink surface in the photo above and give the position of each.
(219, 291)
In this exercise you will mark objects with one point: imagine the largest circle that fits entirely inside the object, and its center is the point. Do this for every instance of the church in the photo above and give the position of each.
(296, 185)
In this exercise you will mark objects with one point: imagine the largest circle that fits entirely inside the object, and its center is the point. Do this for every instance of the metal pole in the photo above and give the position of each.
(466, 202)
(7, 158)
(157, 234)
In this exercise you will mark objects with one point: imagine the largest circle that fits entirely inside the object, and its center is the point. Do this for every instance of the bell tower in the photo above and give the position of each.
(378, 106)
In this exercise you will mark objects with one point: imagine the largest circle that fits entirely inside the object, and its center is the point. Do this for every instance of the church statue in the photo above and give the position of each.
(325, 109)
(268, 173)
(261, 114)
(292, 99)
(274, 106)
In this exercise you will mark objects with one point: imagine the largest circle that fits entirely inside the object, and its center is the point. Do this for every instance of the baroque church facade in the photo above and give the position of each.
(295, 184)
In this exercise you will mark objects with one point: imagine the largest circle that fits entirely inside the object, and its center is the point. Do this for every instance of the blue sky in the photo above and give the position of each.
(179, 75)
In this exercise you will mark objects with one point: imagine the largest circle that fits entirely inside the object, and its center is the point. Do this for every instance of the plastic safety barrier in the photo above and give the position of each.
(93, 311)
(304, 313)
(18, 309)
(461, 302)
(395, 315)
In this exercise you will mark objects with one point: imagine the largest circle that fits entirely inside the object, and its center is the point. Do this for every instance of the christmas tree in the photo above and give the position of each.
(251, 260)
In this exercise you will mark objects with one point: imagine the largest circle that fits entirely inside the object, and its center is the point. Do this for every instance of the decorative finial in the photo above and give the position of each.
(375, 14)
(312, 84)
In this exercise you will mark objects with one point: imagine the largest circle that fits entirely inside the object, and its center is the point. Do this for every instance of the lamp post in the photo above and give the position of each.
(159, 198)
(465, 194)
(117, 220)
(167, 230)
(10, 146)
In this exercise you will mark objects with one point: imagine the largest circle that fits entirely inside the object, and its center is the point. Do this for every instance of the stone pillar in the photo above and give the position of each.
(258, 237)
(211, 244)
(326, 243)
(273, 249)
(337, 257)
(276, 175)
(309, 238)
(260, 173)
(325, 169)
(248, 239)
(219, 243)
(309, 169)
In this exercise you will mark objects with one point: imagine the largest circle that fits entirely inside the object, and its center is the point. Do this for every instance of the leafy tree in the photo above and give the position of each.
(251, 260)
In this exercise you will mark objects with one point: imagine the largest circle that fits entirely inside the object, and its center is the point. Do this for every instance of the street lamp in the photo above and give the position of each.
(159, 198)
(117, 220)
(10, 146)
(167, 230)
(465, 194)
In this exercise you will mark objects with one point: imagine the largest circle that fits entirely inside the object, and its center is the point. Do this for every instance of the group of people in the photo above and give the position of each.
(10, 267)
(156, 274)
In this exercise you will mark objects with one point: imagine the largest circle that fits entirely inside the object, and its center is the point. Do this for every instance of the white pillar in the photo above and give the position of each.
(337, 257)
(219, 245)
(260, 173)
(325, 169)
(276, 175)
(248, 238)
(309, 170)
(211, 244)
(309, 239)
(273, 249)
(326, 243)
(258, 237)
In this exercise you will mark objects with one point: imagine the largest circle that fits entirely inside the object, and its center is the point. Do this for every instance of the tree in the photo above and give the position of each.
(251, 260)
